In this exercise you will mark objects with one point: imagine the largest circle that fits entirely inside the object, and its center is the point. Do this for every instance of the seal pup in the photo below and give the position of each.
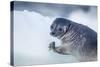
(76, 39)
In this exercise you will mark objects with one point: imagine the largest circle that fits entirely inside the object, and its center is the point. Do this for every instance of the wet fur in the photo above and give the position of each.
(78, 40)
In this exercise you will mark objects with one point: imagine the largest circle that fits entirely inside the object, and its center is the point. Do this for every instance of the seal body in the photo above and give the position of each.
(77, 40)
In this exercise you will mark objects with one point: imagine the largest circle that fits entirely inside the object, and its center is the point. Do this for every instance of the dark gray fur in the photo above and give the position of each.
(76, 39)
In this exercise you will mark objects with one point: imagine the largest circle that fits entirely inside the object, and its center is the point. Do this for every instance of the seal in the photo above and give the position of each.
(76, 39)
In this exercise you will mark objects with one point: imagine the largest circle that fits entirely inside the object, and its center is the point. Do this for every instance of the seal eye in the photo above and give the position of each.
(51, 27)
(60, 29)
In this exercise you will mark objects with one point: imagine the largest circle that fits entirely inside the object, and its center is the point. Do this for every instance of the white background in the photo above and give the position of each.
(5, 32)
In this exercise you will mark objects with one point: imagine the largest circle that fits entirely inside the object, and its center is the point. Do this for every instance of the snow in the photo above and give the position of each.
(32, 38)
(86, 18)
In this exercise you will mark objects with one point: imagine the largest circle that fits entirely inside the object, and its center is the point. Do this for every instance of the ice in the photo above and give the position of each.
(32, 38)
(86, 18)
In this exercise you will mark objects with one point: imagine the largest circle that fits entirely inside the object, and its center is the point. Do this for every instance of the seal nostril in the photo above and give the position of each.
(52, 33)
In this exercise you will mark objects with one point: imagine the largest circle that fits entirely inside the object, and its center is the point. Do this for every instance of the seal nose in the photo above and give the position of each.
(52, 33)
